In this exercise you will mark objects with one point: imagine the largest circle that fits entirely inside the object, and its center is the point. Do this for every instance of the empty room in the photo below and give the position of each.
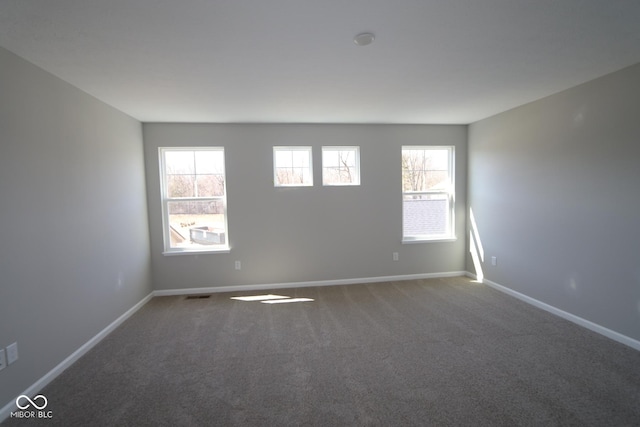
(297, 213)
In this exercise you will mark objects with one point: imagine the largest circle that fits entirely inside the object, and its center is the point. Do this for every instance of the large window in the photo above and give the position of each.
(427, 193)
(292, 167)
(194, 199)
(340, 166)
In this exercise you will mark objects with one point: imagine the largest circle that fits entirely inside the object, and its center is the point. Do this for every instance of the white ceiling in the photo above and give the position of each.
(433, 61)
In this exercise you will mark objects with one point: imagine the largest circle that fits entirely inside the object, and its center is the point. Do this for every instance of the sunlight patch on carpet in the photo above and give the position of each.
(260, 297)
(286, 301)
(271, 299)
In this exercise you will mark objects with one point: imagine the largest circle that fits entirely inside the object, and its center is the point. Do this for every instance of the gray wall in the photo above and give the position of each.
(555, 188)
(74, 252)
(305, 234)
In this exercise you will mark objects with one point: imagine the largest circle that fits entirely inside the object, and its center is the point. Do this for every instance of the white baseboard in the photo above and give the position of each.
(287, 285)
(616, 336)
(52, 374)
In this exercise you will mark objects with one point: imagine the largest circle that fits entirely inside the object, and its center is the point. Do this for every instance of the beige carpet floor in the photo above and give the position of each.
(438, 352)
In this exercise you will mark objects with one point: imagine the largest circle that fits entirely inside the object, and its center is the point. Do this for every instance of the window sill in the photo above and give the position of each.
(224, 250)
(434, 240)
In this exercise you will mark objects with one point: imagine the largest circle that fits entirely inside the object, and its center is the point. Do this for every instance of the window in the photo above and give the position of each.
(292, 166)
(427, 193)
(194, 199)
(340, 165)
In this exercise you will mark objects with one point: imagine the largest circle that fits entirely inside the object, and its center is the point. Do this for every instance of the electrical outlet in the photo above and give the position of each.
(494, 260)
(3, 360)
(238, 265)
(12, 353)
(395, 256)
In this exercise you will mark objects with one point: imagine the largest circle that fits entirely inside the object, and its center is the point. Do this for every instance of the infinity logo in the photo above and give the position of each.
(31, 402)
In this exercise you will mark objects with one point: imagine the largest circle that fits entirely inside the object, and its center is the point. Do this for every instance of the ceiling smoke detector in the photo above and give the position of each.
(364, 39)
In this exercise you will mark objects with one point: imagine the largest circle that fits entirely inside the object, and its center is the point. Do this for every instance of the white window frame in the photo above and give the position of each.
(165, 199)
(356, 150)
(448, 192)
(307, 149)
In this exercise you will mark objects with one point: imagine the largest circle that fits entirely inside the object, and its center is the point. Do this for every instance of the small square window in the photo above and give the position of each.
(292, 167)
(340, 165)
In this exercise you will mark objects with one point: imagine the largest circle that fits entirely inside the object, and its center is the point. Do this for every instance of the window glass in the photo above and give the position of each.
(292, 166)
(428, 193)
(194, 199)
(340, 165)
